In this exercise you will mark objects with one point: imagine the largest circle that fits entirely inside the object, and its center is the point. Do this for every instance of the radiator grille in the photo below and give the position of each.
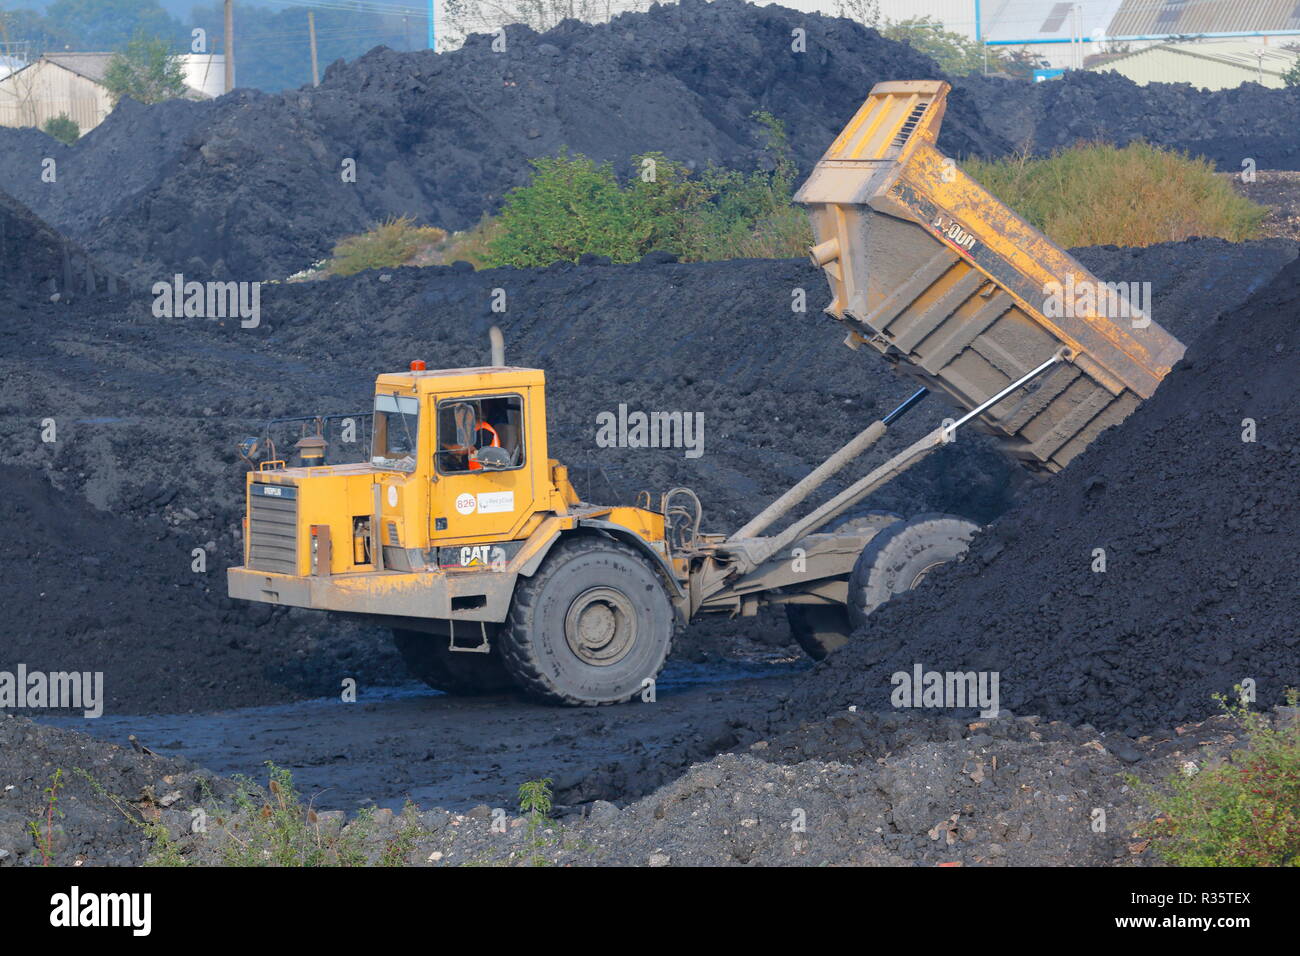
(273, 530)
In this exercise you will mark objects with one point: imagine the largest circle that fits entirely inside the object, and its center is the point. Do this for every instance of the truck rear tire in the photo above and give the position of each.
(461, 673)
(820, 629)
(898, 559)
(590, 626)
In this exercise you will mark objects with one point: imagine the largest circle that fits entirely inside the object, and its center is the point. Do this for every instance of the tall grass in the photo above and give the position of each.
(394, 242)
(1138, 195)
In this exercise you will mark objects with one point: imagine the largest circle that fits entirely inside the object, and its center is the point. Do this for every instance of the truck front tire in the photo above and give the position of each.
(590, 627)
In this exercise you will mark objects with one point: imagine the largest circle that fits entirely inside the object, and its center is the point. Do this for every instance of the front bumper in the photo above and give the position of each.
(479, 595)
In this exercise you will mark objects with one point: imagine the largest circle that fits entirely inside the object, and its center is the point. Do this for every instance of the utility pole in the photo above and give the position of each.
(311, 30)
(230, 45)
(433, 32)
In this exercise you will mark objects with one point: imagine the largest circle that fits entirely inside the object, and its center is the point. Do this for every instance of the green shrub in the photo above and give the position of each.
(1098, 194)
(394, 242)
(471, 245)
(574, 206)
(1244, 812)
(535, 805)
(63, 128)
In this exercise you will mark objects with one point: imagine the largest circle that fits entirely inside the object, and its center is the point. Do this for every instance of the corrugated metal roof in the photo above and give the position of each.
(1208, 64)
(1142, 18)
(1038, 21)
(90, 65)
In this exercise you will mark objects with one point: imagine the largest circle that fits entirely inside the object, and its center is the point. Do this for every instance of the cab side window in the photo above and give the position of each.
(480, 434)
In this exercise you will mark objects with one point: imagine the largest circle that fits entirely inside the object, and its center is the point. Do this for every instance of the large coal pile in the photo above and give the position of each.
(252, 186)
(1226, 126)
(36, 262)
(149, 431)
(92, 591)
(1199, 533)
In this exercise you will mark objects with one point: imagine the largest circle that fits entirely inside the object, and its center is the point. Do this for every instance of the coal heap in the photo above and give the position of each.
(251, 185)
(1225, 126)
(1199, 531)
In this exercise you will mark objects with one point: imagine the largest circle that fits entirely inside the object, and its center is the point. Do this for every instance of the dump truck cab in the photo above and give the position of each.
(463, 459)
(458, 460)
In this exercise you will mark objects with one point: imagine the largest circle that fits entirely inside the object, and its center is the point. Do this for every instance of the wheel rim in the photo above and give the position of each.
(600, 627)
(920, 575)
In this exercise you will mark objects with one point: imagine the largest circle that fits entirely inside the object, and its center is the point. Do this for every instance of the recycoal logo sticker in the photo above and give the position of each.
(465, 503)
(496, 502)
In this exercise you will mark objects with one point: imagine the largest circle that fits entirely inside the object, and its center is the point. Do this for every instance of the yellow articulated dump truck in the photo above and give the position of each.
(467, 539)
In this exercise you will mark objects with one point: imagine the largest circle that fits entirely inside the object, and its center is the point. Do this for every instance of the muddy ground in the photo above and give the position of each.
(853, 789)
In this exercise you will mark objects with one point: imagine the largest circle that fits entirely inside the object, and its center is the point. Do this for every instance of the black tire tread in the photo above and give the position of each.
(518, 654)
(810, 622)
(921, 527)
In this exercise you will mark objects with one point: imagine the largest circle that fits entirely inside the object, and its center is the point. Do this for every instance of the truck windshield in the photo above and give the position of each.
(397, 421)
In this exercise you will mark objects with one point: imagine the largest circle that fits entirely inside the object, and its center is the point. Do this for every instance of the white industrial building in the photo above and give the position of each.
(72, 84)
(1064, 33)
(1206, 64)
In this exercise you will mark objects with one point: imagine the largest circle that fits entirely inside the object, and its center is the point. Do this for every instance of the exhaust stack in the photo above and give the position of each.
(498, 347)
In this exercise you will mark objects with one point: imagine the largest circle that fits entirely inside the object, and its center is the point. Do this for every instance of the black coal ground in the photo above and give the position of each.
(142, 615)
(148, 435)
(250, 185)
(1228, 127)
(100, 790)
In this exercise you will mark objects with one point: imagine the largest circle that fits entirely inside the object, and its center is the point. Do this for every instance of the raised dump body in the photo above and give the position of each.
(960, 292)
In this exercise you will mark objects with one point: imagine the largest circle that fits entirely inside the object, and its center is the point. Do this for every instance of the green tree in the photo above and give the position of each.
(1292, 76)
(63, 128)
(952, 51)
(110, 24)
(147, 71)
